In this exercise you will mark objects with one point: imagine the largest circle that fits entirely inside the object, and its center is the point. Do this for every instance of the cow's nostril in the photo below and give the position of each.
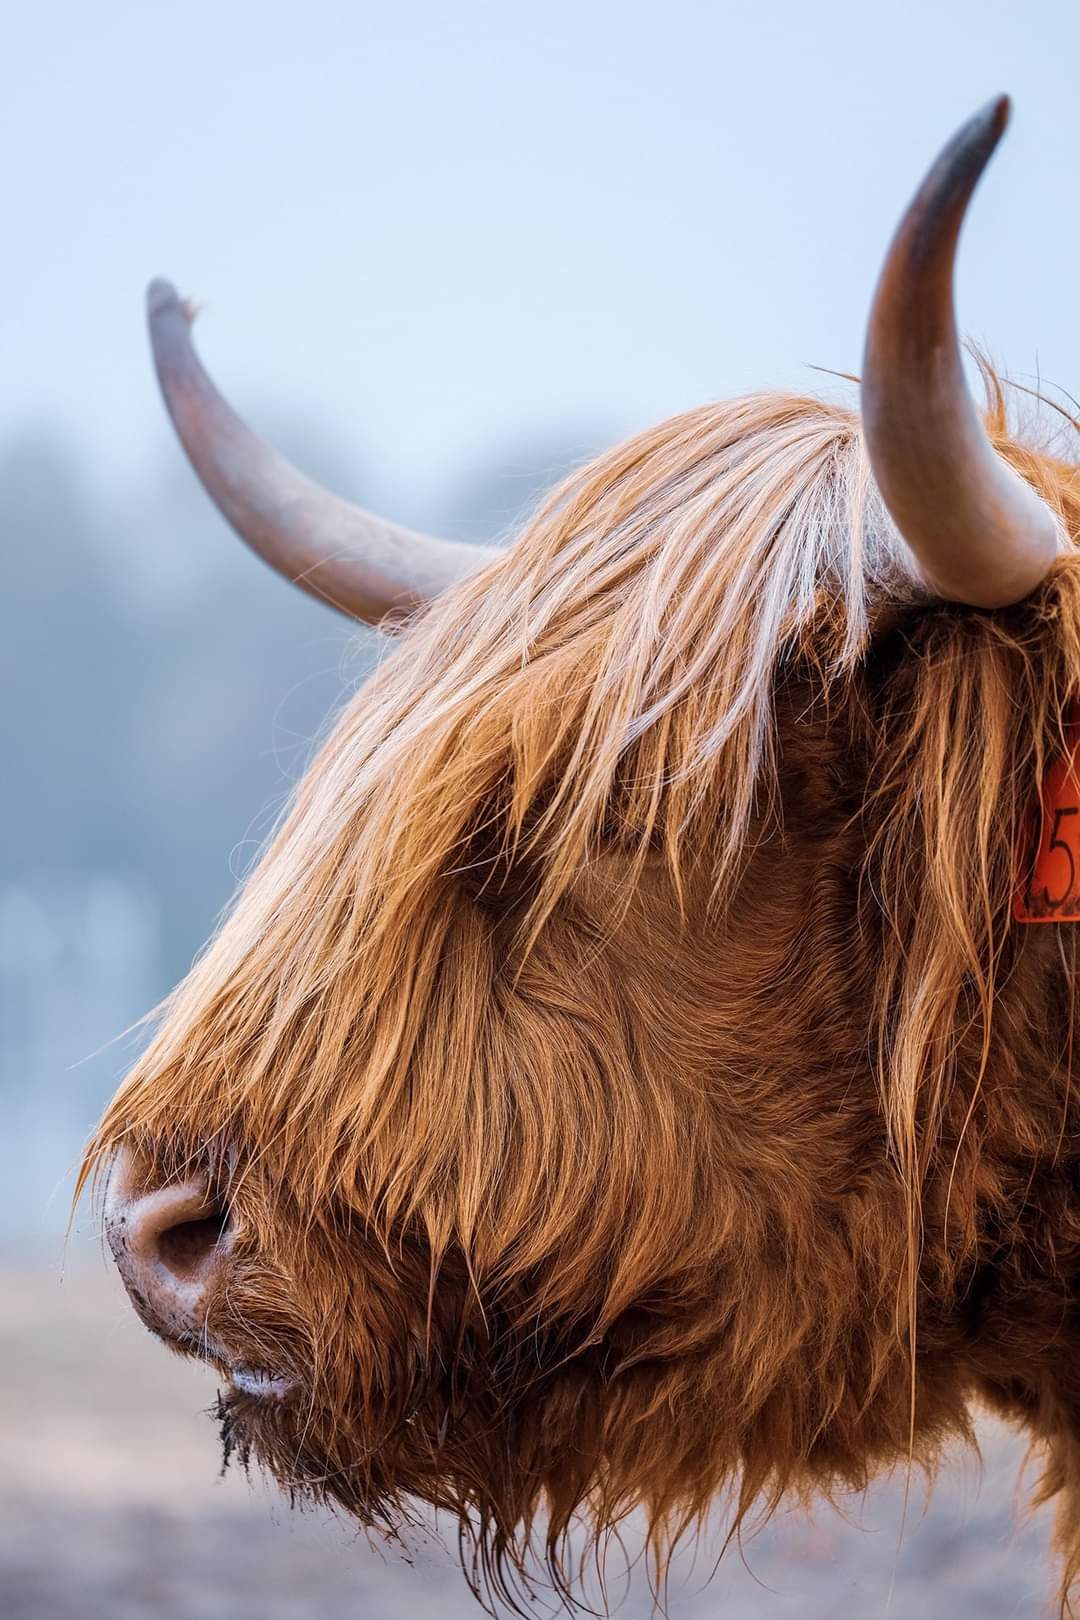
(186, 1247)
(171, 1244)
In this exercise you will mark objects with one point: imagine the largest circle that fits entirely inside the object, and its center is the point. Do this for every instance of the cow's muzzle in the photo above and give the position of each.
(170, 1244)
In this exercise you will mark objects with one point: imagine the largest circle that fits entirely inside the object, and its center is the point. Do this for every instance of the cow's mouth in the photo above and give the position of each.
(260, 1384)
(256, 1382)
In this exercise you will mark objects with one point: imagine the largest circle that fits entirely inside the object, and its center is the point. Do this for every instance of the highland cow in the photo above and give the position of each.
(633, 1075)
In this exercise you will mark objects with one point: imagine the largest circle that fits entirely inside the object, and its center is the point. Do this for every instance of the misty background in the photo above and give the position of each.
(443, 253)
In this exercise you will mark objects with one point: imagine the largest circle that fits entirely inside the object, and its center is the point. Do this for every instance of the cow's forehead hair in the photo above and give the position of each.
(612, 676)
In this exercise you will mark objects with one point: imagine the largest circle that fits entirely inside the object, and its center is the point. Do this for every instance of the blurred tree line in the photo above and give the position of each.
(163, 688)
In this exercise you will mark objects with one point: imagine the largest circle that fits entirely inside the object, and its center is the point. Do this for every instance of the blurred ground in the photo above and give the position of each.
(111, 1509)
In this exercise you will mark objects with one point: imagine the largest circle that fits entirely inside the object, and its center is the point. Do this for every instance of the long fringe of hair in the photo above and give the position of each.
(603, 698)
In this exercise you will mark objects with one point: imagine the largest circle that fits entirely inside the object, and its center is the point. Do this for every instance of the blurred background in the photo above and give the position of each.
(443, 254)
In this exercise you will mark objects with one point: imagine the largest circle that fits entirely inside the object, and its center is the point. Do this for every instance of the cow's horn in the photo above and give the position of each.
(370, 569)
(978, 532)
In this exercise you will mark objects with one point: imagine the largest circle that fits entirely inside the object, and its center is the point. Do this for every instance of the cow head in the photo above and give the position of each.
(621, 1081)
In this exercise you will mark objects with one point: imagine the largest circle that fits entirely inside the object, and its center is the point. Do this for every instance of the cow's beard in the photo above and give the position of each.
(449, 1452)
(292, 1444)
(313, 1465)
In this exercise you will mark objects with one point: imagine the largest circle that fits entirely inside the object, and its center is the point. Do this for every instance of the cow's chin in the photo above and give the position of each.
(388, 1411)
(252, 1430)
(282, 1436)
(305, 1452)
(260, 1414)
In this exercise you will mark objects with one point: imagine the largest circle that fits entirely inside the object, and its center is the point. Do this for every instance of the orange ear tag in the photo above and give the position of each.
(1052, 891)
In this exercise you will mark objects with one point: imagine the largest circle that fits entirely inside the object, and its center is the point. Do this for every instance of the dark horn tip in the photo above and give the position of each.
(926, 238)
(161, 295)
(999, 112)
(990, 122)
(978, 139)
(162, 298)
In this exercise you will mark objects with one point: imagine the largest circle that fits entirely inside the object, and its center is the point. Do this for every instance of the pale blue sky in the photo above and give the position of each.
(436, 226)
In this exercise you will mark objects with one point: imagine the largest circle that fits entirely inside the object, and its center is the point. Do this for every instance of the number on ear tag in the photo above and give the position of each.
(1052, 890)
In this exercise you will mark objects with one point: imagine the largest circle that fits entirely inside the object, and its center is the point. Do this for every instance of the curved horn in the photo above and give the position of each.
(366, 567)
(979, 534)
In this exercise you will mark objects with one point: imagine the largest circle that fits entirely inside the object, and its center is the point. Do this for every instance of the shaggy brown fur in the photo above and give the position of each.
(627, 1082)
